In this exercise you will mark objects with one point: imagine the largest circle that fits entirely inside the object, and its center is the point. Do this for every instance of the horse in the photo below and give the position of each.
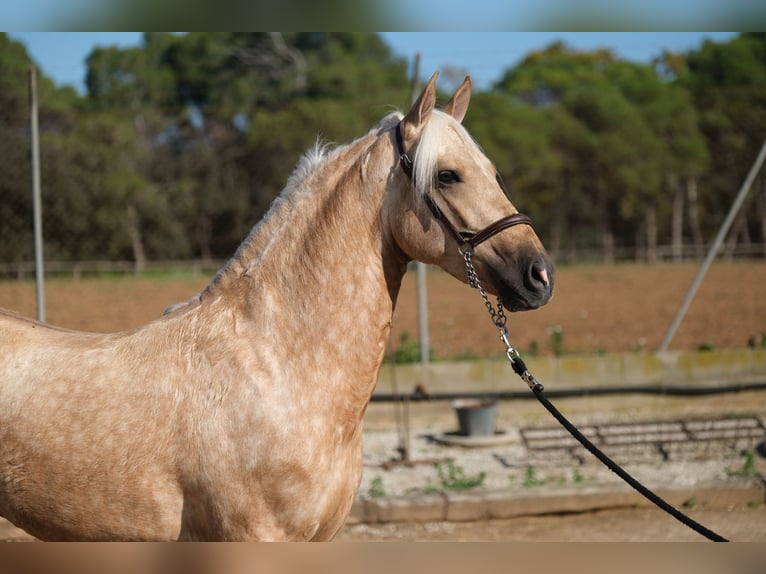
(238, 414)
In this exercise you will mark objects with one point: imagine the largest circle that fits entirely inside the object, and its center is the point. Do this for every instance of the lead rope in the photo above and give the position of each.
(499, 319)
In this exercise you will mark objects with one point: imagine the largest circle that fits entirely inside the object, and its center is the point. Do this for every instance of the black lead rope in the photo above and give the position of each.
(466, 246)
(520, 368)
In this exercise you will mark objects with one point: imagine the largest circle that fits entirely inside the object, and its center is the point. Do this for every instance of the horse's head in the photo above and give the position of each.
(449, 198)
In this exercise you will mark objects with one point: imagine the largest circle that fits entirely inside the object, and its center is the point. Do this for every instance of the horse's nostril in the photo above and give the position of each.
(538, 275)
(539, 272)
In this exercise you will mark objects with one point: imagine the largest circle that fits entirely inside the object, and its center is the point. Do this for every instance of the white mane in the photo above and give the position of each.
(321, 152)
(309, 162)
(425, 158)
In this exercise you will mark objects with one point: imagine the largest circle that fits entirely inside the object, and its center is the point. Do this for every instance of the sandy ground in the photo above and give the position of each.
(738, 524)
(597, 308)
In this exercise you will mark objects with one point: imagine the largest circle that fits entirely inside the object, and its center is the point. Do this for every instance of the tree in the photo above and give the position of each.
(520, 141)
(222, 118)
(726, 81)
(606, 145)
(56, 111)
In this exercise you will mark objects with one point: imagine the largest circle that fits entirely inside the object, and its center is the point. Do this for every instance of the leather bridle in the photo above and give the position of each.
(466, 240)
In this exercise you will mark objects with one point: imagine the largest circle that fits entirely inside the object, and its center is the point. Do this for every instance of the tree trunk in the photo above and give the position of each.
(205, 249)
(739, 231)
(761, 198)
(678, 218)
(651, 234)
(607, 237)
(693, 212)
(134, 230)
(559, 218)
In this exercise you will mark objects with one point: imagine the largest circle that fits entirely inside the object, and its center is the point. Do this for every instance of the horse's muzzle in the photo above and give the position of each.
(533, 289)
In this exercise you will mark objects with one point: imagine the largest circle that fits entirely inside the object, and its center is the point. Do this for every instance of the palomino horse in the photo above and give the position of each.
(238, 415)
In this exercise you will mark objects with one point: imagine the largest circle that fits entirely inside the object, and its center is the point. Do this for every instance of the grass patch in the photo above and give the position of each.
(453, 477)
(748, 468)
(376, 489)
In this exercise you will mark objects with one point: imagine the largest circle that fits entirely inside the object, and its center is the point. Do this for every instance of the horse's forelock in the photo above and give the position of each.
(427, 152)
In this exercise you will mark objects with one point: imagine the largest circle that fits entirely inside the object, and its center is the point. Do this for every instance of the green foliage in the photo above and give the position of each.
(690, 503)
(556, 335)
(531, 479)
(706, 346)
(749, 469)
(408, 350)
(180, 145)
(757, 341)
(376, 489)
(453, 477)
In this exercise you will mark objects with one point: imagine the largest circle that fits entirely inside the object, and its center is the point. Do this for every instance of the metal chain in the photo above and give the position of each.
(497, 314)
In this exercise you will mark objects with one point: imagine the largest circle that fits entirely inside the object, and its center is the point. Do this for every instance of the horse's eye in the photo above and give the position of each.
(448, 177)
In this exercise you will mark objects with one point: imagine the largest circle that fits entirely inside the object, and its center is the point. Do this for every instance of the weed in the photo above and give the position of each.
(757, 341)
(408, 350)
(690, 502)
(376, 489)
(530, 478)
(706, 346)
(737, 414)
(556, 335)
(748, 469)
(453, 477)
(427, 489)
(577, 476)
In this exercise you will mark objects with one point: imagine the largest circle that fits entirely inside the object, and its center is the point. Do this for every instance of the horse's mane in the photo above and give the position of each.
(321, 152)
(424, 160)
(313, 161)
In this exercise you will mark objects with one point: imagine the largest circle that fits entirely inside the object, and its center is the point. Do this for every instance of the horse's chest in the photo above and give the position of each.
(299, 489)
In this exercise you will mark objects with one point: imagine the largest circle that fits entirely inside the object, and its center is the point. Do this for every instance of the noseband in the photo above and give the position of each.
(466, 240)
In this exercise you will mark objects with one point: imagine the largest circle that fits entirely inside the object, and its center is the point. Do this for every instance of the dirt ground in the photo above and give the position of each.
(737, 523)
(737, 520)
(597, 308)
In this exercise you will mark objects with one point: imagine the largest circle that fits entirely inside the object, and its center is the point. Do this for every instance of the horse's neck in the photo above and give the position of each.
(318, 277)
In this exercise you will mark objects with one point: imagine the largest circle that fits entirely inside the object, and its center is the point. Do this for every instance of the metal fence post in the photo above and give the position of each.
(36, 201)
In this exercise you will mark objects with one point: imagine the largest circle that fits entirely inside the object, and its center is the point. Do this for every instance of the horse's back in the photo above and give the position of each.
(31, 350)
(11, 320)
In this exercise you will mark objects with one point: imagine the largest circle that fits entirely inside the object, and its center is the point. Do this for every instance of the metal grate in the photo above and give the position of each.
(649, 433)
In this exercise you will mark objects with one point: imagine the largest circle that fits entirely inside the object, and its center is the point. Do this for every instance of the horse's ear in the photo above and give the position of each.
(458, 104)
(421, 110)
